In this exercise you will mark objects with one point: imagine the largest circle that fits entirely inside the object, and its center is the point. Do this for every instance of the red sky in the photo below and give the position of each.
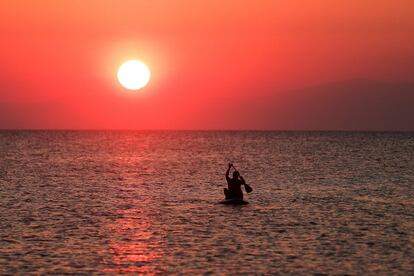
(215, 64)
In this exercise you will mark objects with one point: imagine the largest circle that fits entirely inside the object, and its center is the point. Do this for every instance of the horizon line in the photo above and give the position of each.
(206, 130)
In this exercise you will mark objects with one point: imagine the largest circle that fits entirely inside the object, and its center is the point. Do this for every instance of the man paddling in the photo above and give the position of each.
(234, 190)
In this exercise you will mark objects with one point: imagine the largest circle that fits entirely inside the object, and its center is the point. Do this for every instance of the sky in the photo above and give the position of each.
(217, 64)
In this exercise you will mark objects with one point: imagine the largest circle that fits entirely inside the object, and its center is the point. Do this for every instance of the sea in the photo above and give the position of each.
(146, 203)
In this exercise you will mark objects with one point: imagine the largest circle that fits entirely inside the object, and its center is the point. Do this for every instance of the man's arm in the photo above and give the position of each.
(228, 171)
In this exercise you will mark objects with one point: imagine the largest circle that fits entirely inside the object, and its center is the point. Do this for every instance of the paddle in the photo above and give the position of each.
(247, 187)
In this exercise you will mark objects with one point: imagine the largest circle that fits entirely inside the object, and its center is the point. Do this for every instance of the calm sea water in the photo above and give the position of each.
(146, 202)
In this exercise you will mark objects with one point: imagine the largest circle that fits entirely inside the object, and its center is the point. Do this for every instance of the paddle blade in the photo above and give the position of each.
(248, 188)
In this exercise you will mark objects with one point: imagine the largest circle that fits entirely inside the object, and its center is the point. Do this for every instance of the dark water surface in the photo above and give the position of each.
(146, 202)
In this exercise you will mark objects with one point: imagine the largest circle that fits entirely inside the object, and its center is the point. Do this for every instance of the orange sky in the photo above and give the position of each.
(210, 61)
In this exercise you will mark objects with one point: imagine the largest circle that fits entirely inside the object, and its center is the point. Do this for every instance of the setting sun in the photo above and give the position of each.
(133, 74)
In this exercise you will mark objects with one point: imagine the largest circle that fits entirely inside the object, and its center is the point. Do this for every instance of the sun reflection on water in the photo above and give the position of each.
(134, 246)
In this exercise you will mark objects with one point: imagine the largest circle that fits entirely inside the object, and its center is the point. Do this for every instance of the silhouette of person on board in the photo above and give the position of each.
(234, 190)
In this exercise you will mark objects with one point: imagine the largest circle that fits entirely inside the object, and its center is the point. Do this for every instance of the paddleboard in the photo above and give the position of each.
(234, 201)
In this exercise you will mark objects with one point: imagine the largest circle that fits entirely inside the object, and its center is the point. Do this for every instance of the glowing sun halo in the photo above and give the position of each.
(133, 74)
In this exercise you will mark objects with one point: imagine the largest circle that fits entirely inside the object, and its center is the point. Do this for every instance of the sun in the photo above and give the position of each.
(134, 74)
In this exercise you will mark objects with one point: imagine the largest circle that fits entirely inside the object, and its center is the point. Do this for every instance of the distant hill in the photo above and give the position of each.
(346, 105)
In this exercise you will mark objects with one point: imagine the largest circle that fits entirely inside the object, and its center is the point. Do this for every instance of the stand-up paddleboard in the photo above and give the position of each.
(234, 201)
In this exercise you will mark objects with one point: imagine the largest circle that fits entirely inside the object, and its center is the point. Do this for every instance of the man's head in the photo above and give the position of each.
(236, 174)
